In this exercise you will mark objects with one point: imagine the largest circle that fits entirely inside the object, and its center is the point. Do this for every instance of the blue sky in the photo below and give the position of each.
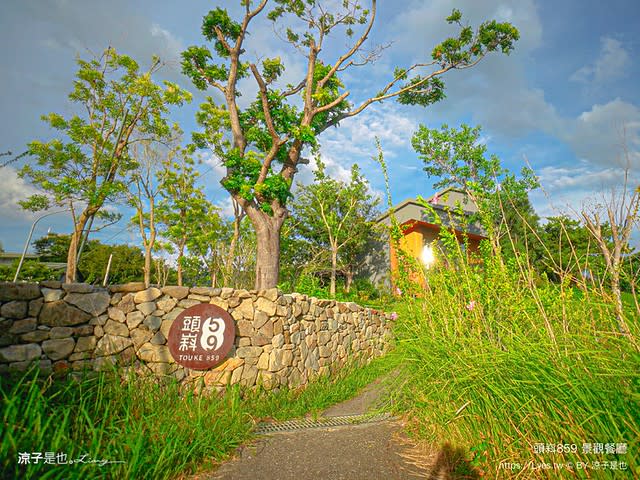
(561, 101)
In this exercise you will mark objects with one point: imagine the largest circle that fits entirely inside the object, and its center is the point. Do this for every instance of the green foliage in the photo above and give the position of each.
(568, 249)
(336, 219)
(491, 359)
(127, 263)
(429, 91)
(31, 271)
(272, 68)
(326, 88)
(156, 429)
(267, 138)
(53, 247)
(295, 257)
(88, 164)
(361, 291)
(216, 24)
(205, 244)
(458, 159)
(182, 206)
(495, 361)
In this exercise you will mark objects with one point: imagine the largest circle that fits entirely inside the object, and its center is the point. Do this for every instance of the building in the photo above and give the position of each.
(421, 230)
(7, 258)
(10, 258)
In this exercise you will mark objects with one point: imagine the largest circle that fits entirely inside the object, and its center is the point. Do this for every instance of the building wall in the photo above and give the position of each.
(419, 235)
(280, 339)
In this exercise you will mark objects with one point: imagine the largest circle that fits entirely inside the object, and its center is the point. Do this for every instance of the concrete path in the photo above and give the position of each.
(367, 451)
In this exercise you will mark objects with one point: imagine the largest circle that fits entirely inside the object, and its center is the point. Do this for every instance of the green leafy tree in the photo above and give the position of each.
(568, 250)
(458, 159)
(143, 195)
(127, 263)
(53, 247)
(86, 168)
(209, 243)
(182, 207)
(517, 226)
(267, 138)
(295, 255)
(336, 217)
(31, 271)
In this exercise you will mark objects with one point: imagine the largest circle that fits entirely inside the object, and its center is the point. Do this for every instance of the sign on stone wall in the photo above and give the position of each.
(201, 336)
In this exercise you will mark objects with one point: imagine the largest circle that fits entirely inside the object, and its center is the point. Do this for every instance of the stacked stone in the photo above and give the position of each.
(288, 339)
(280, 339)
(50, 323)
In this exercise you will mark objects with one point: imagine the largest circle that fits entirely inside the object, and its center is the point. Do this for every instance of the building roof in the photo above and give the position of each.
(442, 204)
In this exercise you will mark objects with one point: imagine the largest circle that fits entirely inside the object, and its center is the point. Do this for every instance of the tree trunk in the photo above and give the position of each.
(147, 265)
(72, 255)
(617, 298)
(238, 215)
(267, 229)
(334, 267)
(267, 256)
(148, 245)
(349, 280)
(180, 256)
(228, 269)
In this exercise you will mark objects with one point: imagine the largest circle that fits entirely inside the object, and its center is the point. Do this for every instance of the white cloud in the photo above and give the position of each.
(356, 136)
(173, 46)
(611, 63)
(584, 178)
(226, 207)
(215, 166)
(12, 190)
(566, 189)
(602, 134)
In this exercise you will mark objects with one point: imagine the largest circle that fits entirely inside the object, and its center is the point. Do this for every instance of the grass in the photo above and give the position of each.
(498, 365)
(154, 429)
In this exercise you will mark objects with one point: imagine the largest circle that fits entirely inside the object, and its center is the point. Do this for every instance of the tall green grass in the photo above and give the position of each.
(155, 429)
(497, 361)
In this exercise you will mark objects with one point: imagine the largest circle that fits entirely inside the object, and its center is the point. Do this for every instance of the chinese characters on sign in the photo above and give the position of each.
(201, 336)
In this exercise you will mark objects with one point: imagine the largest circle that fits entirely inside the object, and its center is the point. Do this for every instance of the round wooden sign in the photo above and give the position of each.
(201, 336)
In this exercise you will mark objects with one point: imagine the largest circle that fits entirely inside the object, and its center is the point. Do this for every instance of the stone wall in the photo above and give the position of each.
(280, 339)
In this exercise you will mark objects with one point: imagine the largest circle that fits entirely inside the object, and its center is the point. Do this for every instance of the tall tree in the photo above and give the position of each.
(144, 193)
(516, 222)
(53, 247)
(620, 212)
(119, 106)
(208, 242)
(336, 217)
(267, 139)
(567, 249)
(458, 159)
(183, 206)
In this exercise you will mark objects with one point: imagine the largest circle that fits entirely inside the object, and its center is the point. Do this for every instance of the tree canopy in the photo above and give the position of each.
(336, 218)
(261, 145)
(86, 166)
